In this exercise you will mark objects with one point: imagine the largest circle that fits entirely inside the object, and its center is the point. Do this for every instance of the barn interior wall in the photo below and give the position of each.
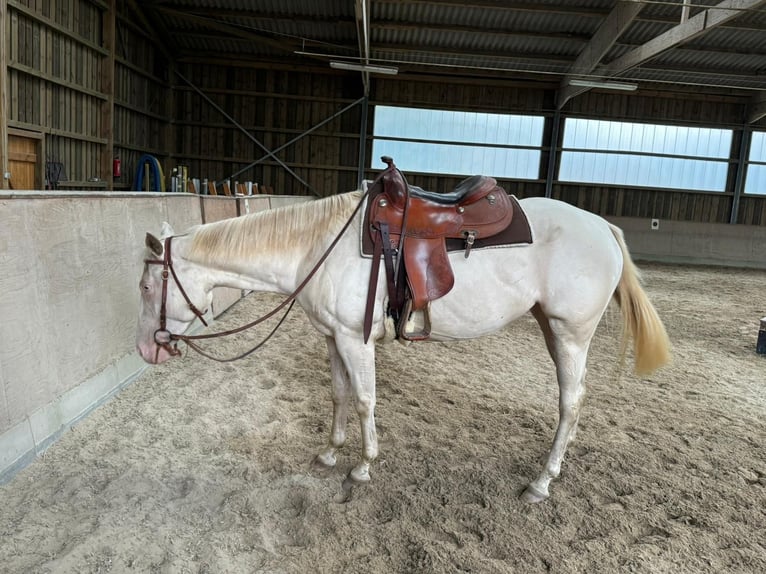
(71, 301)
(273, 107)
(60, 85)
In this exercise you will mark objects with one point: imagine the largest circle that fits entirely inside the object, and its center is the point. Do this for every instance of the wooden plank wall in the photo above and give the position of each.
(274, 107)
(56, 87)
(142, 98)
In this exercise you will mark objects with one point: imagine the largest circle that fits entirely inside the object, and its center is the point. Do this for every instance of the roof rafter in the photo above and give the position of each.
(605, 37)
(362, 13)
(680, 34)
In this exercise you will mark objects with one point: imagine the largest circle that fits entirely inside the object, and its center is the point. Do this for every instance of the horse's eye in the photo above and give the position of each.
(145, 287)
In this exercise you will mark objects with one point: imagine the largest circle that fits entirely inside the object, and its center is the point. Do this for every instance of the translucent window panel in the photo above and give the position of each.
(755, 183)
(614, 148)
(647, 138)
(755, 179)
(643, 171)
(442, 136)
(458, 159)
(758, 147)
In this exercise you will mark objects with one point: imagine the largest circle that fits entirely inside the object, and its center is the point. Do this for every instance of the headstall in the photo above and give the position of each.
(162, 336)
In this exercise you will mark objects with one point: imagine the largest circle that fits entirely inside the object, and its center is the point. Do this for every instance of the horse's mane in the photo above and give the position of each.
(279, 230)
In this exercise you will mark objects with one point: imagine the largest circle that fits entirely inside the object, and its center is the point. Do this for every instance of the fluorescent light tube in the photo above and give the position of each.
(607, 85)
(364, 68)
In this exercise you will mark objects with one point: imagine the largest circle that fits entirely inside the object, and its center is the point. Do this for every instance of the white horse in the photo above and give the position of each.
(565, 278)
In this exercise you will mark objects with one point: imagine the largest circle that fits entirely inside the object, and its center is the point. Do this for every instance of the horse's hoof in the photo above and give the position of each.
(320, 466)
(532, 495)
(350, 482)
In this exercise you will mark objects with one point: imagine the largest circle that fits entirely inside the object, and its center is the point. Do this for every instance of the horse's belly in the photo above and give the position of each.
(491, 289)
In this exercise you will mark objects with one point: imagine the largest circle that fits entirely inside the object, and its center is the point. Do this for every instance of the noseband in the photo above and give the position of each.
(162, 336)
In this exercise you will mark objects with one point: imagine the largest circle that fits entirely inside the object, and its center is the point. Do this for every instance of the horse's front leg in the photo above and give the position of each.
(359, 361)
(341, 393)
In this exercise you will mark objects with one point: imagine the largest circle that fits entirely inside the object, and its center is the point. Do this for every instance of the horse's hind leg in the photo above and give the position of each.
(341, 393)
(568, 347)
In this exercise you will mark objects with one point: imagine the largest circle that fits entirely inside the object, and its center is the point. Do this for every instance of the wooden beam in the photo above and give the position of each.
(756, 108)
(169, 125)
(680, 34)
(53, 80)
(684, 32)
(613, 26)
(5, 27)
(36, 16)
(108, 33)
(155, 25)
(56, 132)
(362, 14)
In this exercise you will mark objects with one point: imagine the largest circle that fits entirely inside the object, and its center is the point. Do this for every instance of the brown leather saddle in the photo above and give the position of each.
(410, 227)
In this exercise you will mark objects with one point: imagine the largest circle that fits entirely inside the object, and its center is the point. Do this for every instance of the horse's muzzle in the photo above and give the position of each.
(164, 338)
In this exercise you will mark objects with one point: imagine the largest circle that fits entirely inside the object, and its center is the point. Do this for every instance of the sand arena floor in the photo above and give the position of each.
(198, 467)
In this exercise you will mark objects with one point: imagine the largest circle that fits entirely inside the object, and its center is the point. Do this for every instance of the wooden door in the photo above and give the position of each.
(24, 161)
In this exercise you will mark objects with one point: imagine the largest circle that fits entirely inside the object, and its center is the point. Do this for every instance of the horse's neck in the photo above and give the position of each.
(285, 245)
(272, 272)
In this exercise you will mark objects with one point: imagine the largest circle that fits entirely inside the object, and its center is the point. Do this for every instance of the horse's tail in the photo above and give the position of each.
(651, 346)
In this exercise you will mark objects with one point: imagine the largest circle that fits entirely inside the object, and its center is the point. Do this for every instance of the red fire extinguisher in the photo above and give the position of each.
(116, 167)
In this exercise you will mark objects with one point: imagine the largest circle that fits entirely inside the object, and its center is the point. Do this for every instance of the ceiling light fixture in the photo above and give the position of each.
(624, 86)
(364, 68)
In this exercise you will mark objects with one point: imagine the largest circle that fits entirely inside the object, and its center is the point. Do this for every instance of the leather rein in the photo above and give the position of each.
(164, 338)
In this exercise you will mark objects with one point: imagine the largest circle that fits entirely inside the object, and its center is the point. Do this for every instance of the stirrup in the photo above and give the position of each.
(421, 335)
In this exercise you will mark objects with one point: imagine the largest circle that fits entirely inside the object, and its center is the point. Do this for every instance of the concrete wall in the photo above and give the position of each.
(694, 243)
(69, 270)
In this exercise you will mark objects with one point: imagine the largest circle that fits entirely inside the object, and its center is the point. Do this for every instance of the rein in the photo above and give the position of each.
(164, 338)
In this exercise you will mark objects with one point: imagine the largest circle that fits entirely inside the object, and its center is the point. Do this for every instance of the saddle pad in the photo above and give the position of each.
(518, 232)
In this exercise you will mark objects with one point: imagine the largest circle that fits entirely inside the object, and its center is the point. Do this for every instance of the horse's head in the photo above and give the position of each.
(173, 293)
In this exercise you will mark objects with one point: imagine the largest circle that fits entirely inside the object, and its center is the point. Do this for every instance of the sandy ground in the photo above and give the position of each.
(199, 467)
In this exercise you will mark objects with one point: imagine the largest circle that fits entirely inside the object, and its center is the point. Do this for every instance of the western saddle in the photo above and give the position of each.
(409, 227)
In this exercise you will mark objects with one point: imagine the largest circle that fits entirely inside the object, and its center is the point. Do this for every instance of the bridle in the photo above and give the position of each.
(164, 338)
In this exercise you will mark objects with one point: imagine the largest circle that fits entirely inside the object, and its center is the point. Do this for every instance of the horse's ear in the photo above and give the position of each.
(167, 230)
(154, 244)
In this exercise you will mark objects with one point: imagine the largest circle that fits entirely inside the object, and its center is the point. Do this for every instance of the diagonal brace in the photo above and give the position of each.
(246, 132)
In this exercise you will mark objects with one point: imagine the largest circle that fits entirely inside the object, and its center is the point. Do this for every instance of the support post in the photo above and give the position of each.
(109, 22)
(5, 38)
(169, 130)
(362, 143)
(739, 178)
(550, 171)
